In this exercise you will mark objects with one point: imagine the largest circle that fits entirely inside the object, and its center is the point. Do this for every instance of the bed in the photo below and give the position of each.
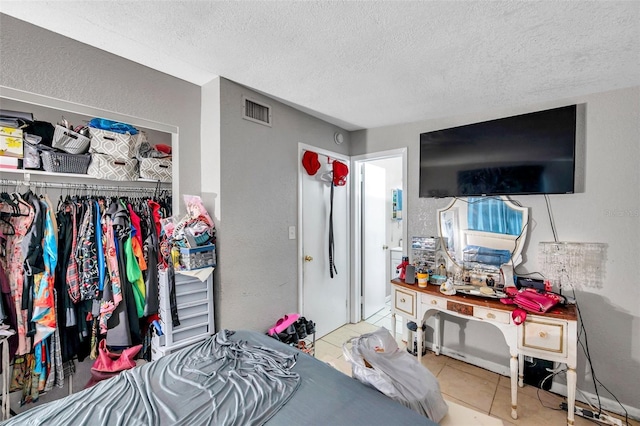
(179, 389)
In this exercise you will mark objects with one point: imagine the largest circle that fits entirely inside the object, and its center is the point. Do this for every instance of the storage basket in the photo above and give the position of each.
(118, 145)
(155, 169)
(113, 168)
(198, 257)
(61, 162)
(70, 141)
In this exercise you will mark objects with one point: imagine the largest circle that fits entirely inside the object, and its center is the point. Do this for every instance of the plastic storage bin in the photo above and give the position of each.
(61, 162)
(69, 141)
(198, 257)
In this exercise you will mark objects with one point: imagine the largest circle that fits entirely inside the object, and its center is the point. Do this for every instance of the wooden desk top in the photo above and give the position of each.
(567, 312)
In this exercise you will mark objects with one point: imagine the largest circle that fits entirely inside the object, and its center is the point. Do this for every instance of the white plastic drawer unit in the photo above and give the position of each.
(190, 290)
(543, 334)
(185, 284)
(405, 302)
(194, 301)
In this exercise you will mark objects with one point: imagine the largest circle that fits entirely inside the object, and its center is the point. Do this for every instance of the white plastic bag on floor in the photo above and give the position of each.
(377, 361)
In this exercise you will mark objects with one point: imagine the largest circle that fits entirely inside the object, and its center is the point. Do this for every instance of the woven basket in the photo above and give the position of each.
(61, 162)
(70, 141)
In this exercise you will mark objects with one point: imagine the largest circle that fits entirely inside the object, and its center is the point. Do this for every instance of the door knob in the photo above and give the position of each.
(385, 247)
(308, 258)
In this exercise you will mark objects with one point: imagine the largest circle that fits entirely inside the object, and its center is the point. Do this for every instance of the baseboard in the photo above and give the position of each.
(479, 362)
(608, 404)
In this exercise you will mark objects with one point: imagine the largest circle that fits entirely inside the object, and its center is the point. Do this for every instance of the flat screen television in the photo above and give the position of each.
(525, 154)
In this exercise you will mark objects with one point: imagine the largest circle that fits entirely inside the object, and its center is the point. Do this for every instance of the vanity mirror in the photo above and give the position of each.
(483, 238)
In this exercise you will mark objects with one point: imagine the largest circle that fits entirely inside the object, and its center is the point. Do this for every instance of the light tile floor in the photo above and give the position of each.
(476, 396)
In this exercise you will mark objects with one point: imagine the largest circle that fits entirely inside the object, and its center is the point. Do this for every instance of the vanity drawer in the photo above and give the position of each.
(434, 301)
(405, 302)
(492, 315)
(544, 334)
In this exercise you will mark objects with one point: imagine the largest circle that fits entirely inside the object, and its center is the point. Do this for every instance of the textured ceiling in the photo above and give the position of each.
(369, 64)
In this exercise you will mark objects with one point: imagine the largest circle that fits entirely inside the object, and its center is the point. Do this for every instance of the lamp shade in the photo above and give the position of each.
(573, 265)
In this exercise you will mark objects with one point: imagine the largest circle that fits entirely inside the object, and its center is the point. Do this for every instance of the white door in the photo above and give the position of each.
(324, 299)
(374, 266)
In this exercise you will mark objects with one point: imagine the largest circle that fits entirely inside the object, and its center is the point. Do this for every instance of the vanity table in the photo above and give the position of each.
(493, 224)
(551, 336)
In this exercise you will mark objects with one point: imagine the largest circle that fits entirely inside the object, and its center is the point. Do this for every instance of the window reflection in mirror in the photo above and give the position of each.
(483, 230)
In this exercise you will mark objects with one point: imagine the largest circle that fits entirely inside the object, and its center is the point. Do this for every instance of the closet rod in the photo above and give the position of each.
(82, 186)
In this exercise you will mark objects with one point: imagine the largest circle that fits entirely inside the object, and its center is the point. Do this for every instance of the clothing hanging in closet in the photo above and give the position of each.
(72, 274)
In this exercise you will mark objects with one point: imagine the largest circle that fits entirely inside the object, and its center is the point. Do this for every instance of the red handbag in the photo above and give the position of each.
(112, 362)
(533, 301)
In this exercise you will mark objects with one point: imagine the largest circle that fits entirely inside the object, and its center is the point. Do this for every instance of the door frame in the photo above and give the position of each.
(351, 177)
(355, 308)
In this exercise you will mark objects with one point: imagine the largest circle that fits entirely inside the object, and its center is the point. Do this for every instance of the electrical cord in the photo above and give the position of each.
(583, 331)
(553, 374)
(541, 384)
(553, 225)
(585, 349)
(584, 397)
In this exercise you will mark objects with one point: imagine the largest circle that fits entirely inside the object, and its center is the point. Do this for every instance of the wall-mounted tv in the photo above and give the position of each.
(525, 154)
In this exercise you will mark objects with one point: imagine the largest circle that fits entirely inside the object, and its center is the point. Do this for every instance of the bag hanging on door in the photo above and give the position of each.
(340, 172)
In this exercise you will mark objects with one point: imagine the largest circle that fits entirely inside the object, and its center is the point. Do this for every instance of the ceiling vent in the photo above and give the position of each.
(255, 111)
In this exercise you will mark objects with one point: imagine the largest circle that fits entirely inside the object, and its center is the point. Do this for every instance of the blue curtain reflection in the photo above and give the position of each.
(493, 215)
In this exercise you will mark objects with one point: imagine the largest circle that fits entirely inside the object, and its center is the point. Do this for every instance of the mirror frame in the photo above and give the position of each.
(465, 237)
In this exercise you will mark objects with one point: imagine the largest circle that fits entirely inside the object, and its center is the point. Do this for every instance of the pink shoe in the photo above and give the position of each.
(283, 323)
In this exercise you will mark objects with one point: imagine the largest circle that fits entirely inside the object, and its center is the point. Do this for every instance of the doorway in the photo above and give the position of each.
(377, 237)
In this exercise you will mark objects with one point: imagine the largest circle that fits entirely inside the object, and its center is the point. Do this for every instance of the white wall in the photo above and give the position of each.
(611, 314)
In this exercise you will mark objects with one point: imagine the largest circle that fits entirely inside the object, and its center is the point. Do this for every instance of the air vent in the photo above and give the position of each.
(256, 111)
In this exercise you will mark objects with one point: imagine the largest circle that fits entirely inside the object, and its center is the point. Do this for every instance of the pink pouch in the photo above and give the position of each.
(536, 302)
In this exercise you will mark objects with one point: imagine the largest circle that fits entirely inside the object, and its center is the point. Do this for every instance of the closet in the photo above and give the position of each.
(76, 205)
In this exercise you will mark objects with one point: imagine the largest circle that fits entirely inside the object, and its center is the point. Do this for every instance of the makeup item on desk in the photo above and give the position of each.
(437, 279)
(448, 288)
(403, 267)
(423, 278)
(410, 275)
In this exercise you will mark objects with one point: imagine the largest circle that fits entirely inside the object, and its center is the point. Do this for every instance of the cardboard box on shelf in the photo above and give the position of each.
(11, 146)
(8, 162)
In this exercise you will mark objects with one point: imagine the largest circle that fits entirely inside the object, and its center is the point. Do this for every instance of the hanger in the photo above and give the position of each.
(13, 201)
(6, 227)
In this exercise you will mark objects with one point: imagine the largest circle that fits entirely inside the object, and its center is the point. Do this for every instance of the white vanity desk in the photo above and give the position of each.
(551, 336)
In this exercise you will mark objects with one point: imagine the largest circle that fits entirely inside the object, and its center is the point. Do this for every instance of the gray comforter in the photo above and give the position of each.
(217, 382)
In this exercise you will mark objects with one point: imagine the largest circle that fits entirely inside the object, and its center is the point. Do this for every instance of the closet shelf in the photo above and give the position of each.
(28, 172)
